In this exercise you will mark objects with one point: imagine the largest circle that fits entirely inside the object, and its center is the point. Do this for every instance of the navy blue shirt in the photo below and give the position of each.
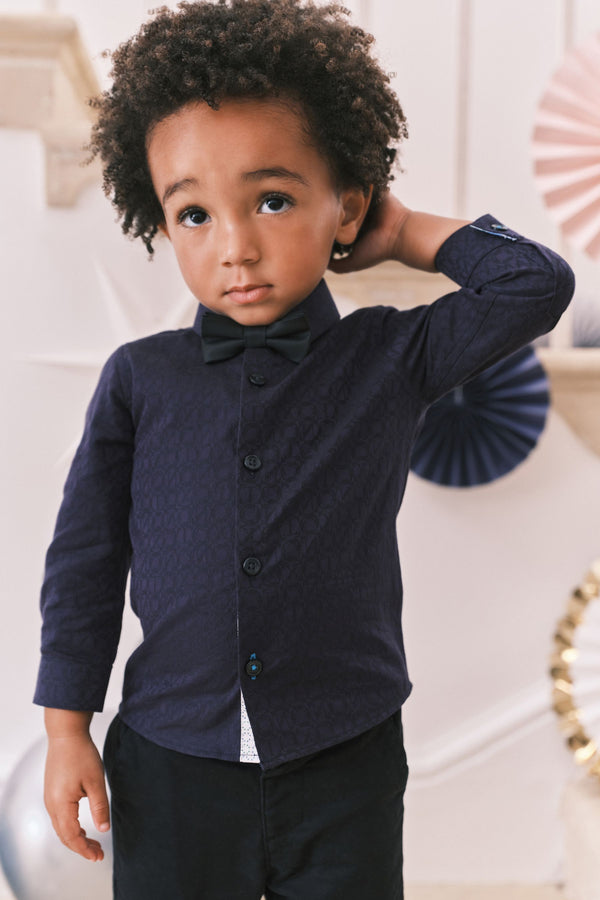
(255, 500)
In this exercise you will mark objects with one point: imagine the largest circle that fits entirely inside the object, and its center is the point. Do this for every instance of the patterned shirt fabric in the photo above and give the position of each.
(255, 500)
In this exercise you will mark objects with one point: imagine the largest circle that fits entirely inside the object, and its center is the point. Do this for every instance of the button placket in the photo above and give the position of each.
(256, 379)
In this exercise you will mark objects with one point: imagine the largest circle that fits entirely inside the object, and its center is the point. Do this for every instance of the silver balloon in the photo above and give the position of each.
(37, 866)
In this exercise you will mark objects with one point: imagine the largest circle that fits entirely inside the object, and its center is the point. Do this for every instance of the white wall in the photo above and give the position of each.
(487, 571)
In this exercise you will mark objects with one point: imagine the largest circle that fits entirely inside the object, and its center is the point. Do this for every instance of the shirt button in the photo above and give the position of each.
(257, 379)
(252, 462)
(253, 667)
(252, 565)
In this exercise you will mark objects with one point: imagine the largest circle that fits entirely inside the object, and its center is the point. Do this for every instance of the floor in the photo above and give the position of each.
(480, 892)
(439, 892)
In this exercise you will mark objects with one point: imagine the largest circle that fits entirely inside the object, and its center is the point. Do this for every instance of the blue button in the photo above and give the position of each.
(253, 667)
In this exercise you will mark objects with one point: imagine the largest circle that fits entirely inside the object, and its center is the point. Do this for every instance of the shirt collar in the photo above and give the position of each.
(319, 308)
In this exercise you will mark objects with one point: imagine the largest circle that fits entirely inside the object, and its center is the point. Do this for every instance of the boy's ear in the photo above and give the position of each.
(163, 229)
(355, 203)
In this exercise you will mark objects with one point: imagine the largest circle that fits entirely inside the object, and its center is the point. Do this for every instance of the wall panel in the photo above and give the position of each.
(515, 48)
(586, 16)
(419, 42)
(486, 571)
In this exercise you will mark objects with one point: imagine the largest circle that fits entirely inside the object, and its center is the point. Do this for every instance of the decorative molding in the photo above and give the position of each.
(46, 80)
(364, 13)
(482, 736)
(390, 284)
(465, 20)
(469, 891)
(574, 375)
(568, 24)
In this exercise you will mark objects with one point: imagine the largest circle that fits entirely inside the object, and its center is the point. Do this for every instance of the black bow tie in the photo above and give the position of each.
(223, 337)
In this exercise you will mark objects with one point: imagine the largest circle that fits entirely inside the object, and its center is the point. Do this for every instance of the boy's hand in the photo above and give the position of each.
(401, 234)
(378, 243)
(74, 770)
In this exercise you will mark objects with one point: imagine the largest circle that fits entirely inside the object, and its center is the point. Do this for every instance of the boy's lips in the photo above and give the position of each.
(248, 293)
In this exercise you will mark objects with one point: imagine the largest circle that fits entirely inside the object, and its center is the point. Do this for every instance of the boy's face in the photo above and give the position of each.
(250, 205)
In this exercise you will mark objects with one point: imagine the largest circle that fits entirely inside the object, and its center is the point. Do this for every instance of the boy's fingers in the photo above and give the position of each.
(73, 836)
(98, 800)
(86, 847)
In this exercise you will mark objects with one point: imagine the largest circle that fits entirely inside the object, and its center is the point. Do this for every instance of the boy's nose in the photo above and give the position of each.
(238, 245)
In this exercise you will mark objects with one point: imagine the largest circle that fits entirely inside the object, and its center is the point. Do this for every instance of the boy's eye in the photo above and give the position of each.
(193, 217)
(275, 203)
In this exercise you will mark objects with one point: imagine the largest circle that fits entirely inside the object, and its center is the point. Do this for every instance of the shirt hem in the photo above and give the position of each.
(177, 748)
(271, 763)
(307, 749)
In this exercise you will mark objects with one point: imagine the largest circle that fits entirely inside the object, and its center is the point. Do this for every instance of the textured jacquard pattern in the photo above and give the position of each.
(257, 499)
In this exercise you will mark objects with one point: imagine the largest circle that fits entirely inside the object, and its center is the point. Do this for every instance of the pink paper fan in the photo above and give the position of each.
(566, 147)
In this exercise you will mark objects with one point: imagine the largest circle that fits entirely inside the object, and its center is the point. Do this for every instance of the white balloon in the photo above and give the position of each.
(37, 866)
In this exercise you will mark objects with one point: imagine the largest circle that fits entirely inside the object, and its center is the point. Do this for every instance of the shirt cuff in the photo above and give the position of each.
(68, 684)
(462, 252)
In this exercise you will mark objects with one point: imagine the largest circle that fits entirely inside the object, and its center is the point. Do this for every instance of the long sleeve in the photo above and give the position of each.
(88, 560)
(512, 290)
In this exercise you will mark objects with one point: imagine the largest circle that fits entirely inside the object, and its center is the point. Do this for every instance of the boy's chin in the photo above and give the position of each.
(255, 314)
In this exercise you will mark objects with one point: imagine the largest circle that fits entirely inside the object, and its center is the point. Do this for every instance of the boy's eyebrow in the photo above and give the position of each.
(275, 172)
(255, 175)
(178, 186)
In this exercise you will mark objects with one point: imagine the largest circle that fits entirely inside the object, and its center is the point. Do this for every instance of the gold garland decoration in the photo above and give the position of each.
(584, 747)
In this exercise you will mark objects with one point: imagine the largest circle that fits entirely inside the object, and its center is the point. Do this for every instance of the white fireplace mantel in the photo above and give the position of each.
(46, 80)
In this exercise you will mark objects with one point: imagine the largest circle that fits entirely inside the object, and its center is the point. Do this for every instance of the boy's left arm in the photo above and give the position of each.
(400, 234)
(512, 290)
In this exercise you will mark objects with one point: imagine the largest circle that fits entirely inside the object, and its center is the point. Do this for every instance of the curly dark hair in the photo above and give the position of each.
(210, 51)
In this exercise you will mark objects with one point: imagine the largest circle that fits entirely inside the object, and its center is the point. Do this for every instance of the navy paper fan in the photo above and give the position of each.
(483, 429)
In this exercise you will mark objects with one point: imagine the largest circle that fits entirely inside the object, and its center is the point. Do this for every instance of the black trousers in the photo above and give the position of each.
(324, 827)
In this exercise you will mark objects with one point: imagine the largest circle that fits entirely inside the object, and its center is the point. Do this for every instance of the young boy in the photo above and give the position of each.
(250, 469)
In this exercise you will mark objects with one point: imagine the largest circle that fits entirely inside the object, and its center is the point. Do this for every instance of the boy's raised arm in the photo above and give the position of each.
(74, 770)
(401, 234)
(510, 289)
